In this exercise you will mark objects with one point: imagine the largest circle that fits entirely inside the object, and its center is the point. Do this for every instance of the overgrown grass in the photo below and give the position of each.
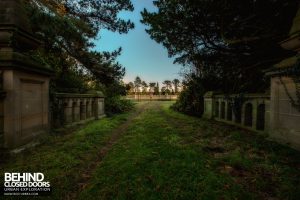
(63, 158)
(166, 155)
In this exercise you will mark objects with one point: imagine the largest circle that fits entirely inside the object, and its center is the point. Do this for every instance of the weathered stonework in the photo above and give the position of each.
(25, 82)
(284, 117)
(254, 115)
(78, 108)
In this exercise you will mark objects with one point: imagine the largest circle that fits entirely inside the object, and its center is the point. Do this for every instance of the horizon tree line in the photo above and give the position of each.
(139, 86)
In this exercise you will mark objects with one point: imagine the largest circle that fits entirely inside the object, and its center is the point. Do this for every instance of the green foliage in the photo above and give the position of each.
(238, 160)
(113, 99)
(156, 89)
(115, 105)
(68, 30)
(130, 88)
(190, 100)
(230, 41)
(137, 83)
(176, 84)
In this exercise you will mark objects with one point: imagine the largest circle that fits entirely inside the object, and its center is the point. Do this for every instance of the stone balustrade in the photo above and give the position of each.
(73, 108)
(252, 113)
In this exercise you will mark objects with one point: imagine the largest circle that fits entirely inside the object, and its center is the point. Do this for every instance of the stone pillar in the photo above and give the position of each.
(254, 113)
(284, 117)
(93, 115)
(83, 109)
(229, 114)
(25, 81)
(75, 110)
(243, 109)
(209, 105)
(100, 107)
(225, 114)
(220, 108)
(68, 115)
(95, 108)
(87, 108)
(90, 108)
(267, 115)
(233, 117)
(223, 109)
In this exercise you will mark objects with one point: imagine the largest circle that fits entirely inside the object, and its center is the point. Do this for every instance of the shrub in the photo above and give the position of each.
(115, 105)
(190, 100)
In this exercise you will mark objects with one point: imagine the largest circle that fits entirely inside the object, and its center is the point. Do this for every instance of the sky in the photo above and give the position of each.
(141, 56)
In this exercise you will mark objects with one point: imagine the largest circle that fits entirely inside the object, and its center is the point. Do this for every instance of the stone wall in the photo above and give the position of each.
(25, 107)
(24, 81)
(285, 118)
(285, 91)
(2, 96)
(70, 109)
(254, 112)
(152, 97)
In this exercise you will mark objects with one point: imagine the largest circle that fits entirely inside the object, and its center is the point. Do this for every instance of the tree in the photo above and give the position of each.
(130, 88)
(190, 100)
(168, 85)
(176, 83)
(68, 28)
(227, 42)
(163, 90)
(156, 89)
(152, 87)
(145, 86)
(137, 84)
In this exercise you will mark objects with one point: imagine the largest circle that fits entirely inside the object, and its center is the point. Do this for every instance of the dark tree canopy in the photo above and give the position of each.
(229, 42)
(68, 29)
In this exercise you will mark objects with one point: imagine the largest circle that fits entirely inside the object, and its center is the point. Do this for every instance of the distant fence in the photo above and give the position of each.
(73, 108)
(152, 97)
(252, 112)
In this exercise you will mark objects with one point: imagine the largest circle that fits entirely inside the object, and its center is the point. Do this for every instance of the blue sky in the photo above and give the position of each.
(141, 56)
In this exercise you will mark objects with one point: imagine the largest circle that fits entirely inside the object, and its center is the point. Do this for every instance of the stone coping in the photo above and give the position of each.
(212, 94)
(15, 60)
(13, 12)
(288, 62)
(291, 43)
(77, 95)
(249, 95)
(25, 39)
(277, 71)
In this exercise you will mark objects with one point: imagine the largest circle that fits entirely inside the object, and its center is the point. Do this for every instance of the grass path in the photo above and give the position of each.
(114, 137)
(156, 153)
(167, 155)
